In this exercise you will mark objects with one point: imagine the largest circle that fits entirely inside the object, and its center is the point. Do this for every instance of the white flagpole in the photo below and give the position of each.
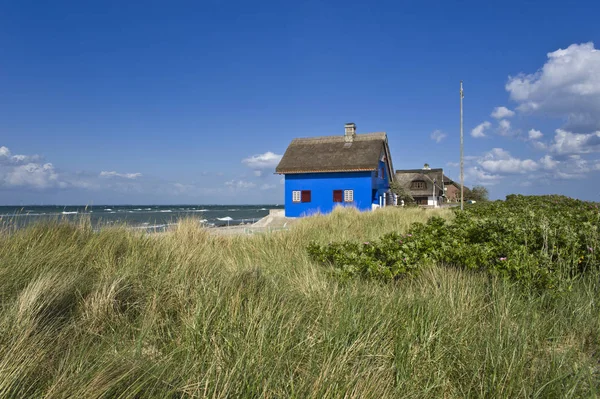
(462, 176)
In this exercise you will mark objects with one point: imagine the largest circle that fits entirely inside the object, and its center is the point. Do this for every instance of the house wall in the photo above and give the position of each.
(452, 193)
(429, 200)
(380, 183)
(322, 185)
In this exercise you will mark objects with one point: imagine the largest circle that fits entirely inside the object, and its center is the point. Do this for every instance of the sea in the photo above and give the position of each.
(148, 217)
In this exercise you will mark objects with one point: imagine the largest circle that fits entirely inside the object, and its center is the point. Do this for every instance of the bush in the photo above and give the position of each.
(541, 242)
(477, 193)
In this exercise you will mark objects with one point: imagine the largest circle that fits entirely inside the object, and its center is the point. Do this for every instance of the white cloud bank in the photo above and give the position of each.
(498, 164)
(565, 142)
(499, 160)
(566, 86)
(122, 175)
(26, 171)
(240, 184)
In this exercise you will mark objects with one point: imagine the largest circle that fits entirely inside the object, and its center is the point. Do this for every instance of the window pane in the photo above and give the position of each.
(295, 196)
(348, 195)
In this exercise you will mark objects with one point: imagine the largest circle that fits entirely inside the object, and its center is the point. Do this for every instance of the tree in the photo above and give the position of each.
(401, 192)
(478, 193)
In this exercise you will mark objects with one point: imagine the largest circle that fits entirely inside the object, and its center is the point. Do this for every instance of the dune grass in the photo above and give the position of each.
(120, 313)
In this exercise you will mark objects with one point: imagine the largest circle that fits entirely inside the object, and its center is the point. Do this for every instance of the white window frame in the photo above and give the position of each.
(296, 196)
(348, 195)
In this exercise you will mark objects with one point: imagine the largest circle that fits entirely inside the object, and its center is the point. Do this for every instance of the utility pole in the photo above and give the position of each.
(462, 176)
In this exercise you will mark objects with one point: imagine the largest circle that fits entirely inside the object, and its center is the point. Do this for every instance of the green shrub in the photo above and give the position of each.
(543, 242)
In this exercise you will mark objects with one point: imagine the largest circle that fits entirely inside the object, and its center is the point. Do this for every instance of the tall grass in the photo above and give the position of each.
(119, 313)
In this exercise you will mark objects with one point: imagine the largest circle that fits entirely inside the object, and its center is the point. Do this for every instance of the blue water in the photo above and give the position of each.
(149, 217)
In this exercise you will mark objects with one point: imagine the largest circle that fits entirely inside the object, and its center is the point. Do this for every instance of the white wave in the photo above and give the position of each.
(233, 209)
(69, 213)
(165, 210)
(154, 226)
(137, 209)
(108, 209)
(263, 209)
(147, 209)
(199, 210)
(19, 214)
(203, 220)
(225, 219)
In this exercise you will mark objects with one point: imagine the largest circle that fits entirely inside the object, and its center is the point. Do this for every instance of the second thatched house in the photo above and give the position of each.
(429, 186)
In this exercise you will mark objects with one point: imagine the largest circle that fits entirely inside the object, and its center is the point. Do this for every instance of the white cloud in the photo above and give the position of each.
(438, 136)
(499, 160)
(504, 128)
(476, 175)
(497, 164)
(267, 186)
(240, 184)
(501, 113)
(22, 176)
(32, 175)
(122, 175)
(27, 171)
(565, 142)
(548, 163)
(567, 85)
(538, 145)
(479, 130)
(268, 160)
(573, 167)
(534, 134)
(6, 157)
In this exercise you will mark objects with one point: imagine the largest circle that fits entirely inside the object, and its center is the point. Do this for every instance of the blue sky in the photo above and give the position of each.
(175, 102)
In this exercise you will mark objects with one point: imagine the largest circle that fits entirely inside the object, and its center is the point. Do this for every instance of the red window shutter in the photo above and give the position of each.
(305, 195)
(338, 196)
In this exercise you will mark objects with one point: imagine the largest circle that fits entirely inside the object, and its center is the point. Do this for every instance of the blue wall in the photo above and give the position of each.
(380, 183)
(322, 185)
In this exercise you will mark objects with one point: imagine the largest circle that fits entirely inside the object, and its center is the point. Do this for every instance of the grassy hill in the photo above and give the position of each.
(118, 313)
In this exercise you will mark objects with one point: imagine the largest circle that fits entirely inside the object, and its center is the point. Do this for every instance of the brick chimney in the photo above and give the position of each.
(350, 132)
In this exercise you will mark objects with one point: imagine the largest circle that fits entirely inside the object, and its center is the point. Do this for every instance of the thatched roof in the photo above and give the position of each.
(334, 154)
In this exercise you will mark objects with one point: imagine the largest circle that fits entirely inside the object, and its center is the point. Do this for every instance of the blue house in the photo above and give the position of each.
(345, 170)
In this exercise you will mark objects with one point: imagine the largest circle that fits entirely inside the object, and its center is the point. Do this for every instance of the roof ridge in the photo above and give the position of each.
(340, 137)
(419, 170)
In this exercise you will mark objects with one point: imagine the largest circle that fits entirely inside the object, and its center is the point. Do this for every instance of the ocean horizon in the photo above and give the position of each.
(149, 217)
